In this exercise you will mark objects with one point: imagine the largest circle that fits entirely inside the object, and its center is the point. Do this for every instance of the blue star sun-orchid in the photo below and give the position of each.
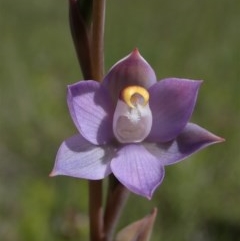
(131, 125)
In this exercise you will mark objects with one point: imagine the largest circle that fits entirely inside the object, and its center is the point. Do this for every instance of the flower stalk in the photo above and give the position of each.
(97, 44)
(89, 44)
(116, 198)
(95, 210)
(97, 66)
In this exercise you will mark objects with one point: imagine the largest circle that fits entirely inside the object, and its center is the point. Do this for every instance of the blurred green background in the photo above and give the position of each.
(199, 39)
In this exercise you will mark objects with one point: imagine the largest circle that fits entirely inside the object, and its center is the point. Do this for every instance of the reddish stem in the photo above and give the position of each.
(98, 39)
(95, 210)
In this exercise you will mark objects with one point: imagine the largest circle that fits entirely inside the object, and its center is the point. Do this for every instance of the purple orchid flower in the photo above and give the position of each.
(131, 125)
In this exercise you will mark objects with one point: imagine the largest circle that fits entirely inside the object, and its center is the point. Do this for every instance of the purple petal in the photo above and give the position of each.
(192, 139)
(77, 157)
(91, 110)
(172, 102)
(137, 169)
(131, 70)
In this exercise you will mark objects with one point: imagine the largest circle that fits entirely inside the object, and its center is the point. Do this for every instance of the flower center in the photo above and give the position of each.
(132, 119)
(132, 95)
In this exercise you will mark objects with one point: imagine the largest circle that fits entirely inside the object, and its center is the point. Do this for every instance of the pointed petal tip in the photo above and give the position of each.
(136, 52)
(218, 139)
(52, 174)
(214, 139)
(199, 82)
(149, 197)
(150, 194)
(195, 138)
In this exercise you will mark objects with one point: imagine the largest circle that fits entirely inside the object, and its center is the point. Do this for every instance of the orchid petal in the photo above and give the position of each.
(137, 169)
(131, 124)
(91, 110)
(131, 70)
(79, 158)
(172, 102)
(192, 139)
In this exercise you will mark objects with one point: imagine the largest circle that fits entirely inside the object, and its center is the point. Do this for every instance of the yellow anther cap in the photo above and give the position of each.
(130, 95)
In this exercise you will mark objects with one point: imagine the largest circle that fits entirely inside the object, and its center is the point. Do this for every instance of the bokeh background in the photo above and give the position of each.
(199, 39)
